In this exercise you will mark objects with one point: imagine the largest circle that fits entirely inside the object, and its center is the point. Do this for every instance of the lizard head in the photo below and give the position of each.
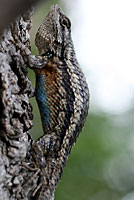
(54, 33)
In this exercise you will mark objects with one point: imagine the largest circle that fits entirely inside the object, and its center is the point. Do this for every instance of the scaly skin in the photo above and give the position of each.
(63, 99)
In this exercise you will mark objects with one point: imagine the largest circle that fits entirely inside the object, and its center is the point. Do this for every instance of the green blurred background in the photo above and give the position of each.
(100, 166)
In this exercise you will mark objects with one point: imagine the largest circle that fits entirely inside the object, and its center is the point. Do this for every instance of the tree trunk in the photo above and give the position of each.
(9, 10)
(19, 176)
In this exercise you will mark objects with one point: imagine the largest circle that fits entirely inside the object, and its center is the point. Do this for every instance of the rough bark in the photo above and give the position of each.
(9, 10)
(19, 175)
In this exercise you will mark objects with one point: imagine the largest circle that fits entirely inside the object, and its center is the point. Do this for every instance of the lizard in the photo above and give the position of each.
(63, 99)
(62, 95)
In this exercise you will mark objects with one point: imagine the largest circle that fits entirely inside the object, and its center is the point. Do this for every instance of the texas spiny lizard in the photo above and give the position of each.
(63, 99)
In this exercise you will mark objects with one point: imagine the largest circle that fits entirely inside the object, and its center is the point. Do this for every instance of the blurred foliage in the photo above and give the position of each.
(99, 165)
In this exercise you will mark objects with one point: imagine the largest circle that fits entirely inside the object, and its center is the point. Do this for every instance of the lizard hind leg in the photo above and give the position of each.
(46, 147)
(44, 150)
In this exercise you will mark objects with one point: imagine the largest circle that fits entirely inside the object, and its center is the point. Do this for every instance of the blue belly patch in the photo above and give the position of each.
(41, 96)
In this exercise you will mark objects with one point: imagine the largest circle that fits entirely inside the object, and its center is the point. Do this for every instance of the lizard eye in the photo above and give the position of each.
(66, 22)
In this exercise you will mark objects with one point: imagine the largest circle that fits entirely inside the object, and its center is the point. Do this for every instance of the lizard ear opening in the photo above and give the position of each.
(65, 22)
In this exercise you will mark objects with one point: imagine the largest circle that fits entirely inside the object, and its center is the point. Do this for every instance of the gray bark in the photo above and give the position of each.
(19, 175)
(10, 9)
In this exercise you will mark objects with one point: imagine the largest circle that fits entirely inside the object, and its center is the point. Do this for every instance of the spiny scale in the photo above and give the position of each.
(61, 92)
